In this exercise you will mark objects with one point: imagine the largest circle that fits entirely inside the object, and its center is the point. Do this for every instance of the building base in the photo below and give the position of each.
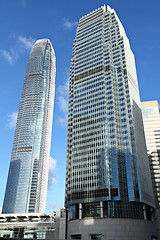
(112, 229)
(33, 225)
(157, 218)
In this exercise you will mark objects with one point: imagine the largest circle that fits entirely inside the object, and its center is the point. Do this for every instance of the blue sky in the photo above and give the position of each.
(22, 22)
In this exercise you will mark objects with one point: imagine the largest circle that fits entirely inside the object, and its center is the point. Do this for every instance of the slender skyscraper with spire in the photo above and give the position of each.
(26, 188)
(107, 173)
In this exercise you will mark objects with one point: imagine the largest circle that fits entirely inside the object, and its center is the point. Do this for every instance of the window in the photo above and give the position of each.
(150, 110)
(96, 236)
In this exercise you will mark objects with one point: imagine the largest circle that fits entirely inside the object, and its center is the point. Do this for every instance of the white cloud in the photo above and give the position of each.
(63, 120)
(63, 103)
(26, 43)
(7, 56)
(52, 163)
(54, 205)
(52, 180)
(63, 89)
(22, 44)
(52, 177)
(69, 25)
(0, 210)
(12, 119)
(14, 53)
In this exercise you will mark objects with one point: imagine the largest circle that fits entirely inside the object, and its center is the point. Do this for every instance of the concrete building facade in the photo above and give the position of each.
(33, 225)
(151, 120)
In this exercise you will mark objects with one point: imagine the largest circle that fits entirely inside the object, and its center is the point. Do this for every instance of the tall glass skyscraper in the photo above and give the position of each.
(26, 188)
(107, 173)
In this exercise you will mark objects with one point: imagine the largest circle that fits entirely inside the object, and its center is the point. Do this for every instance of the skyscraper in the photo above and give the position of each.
(151, 119)
(107, 172)
(26, 188)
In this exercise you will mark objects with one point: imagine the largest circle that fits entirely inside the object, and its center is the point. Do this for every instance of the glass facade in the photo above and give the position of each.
(106, 149)
(26, 188)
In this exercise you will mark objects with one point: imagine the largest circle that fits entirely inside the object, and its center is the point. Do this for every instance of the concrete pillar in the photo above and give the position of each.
(101, 209)
(80, 210)
(68, 215)
(152, 217)
(144, 212)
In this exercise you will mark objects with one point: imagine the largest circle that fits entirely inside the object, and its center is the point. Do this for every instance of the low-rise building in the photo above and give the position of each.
(34, 225)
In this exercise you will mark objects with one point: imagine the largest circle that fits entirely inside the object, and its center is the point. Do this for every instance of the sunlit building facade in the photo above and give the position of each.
(107, 172)
(26, 188)
(33, 225)
(151, 120)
